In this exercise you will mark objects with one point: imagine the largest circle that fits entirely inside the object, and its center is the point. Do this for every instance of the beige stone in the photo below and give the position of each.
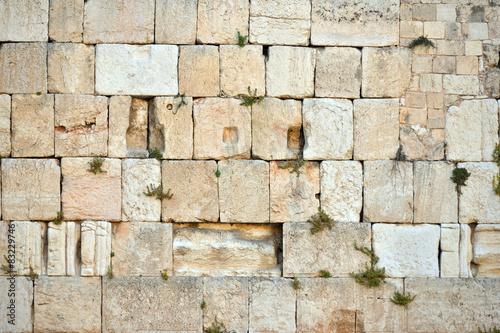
(431, 83)
(461, 84)
(473, 48)
(19, 290)
(244, 191)
(89, 196)
(175, 21)
(24, 21)
(32, 125)
(220, 20)
(449, 258)
(29, 247)
(199, 70)
(467, 65)
(434, 29)
(411, 29)
(421, 64)
(486, 250)
(465, 251)
(443, 65)
(5, 135)
(419, 143)
(30, 189)
(62, 248)
(95, 248)
(450, 47)
(415, 100)
(66, 20)
(413, 116)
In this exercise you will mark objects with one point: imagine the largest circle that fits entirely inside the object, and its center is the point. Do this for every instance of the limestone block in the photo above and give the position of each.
(418, 143)
(5, 231)
(355, 23)
(472, 130)
(220, 20)
(388, 192)
(328, 129)
(67, 304)
(435, 197)
(23, 68)
(386, 71)
(30, 189)
(148, 70)
(62, 248)
(465, 251)
(222, 129)
(338, 72)
(293, 195)
(342, 190)
(66, 20)
(376, 129)
(17, 319)
(29, 240)
(24, 21)
(276, 126)
(211, 249)
(71, 68)
(272, 306)
(240, 68)
(137, 175)
(199, 70)
(244, 191)
(450, 256)
(290, 72)
(5, 136)
(175, 21)
(95, 248)
(461, 84)
(194, 186)
(478, 203)
(487, 250)
(32, 125)
(89, 196)
(305, 254)
(81, 125)
(407, 250)
(142, 248)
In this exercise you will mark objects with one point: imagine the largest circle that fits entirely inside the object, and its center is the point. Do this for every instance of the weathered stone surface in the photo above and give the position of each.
(194, 186)
(226, 250)
(128, 301)
(71, 68)
(95, 248)
(290, 72)
(199, 70)
(137, 176)
(66, 20)
(479, 117)
(23, 68)
(419, 144)
(24, 20)
(29, 246)
(461, 84)
(338, 72)
(386, 71)
(67, 304)
(89, 196)
(244, 191)
(376, 129)
(222, 129)
(5, 136)
(142, 248)
(449, 259)
(276, 128)
(62, 248)
(305, 254)
(32, 125)
(293, 194)
(487, 250)
(328, 129)
(175, 21)
(17, 319)
(220, 20)
(81, 125)
(465, 251)
(342, 190)
(30, 189)
(148, 70)
(355, 23)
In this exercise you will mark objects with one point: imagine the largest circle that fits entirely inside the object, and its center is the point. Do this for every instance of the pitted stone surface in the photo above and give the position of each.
(24, 20)
(62, 248)
(66, 20)
(419, 144)
(199, 70)
(449, 259)
(175, 21)
(5, 135)
(29, 247)
(95, 248)
(23, 312)
(461, 84)
(487, 250)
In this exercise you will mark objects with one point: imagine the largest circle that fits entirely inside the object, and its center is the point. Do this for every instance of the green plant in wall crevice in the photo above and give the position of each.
(371, 276)
(402, 299)
(460, 176)
(421, 41)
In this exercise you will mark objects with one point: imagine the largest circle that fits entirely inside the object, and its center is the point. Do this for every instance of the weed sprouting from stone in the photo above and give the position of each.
(371, 276)
(96, 164)
(296, 283)
(325, 274)
(181, 103)
(460, 176)
(400, 156)
(402, 299)
(164, 274)
(242, 40)
(110, 272)
(496, 178)
(155, 153)
(249, 99)
(59, 218)
(217, 173)
(32, 275)
(320, 221)
(491, 330)
(292, 165)
(421, 41)
(203, 304)
(157, 191)
(217, 327)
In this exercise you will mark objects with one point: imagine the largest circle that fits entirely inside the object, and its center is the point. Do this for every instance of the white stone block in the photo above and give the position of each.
(450, 255)
(19, 290)
(487, 250)
(461, 84)
(95, 248)
(5, 135)
(465, 251)
(29, 247)
(24, 20)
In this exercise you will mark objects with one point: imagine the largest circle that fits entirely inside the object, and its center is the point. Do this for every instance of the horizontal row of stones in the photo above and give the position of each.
(247, 191)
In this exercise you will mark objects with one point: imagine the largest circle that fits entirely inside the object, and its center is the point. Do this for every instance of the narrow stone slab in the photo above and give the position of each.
(175, 21)
(487, 250)
(62, 248)
(95, 248)
(24, 21)
(17, 316)
(29, 246)
(66, 21)
(449, 259)
(5, 136)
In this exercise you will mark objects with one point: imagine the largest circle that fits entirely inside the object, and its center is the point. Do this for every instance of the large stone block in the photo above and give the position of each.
(66, 20)
(175, 21)
(461, 84)
(148, 70)
(32, 125)
(95, 248)
(20, 318)
(28, 244)
(30, 189)
(487, 250)
(5, 135)
(199, 70)
(418, 143)
(449, 259)
(305, 254)
(62, 248)
(328, 129)
(24, 20)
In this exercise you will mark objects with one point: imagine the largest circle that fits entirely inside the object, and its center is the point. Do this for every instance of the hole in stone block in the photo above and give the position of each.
(169, 107)
(294, 138)
(230, 135)
(265, 50)
(137, 132)
(156, 138)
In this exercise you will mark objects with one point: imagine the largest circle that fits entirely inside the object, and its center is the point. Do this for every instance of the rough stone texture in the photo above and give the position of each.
(71, 68)
(30, 189)
(342, 190)
(388, 192)
(81, 125)
(175, 21)
(435, 197)
(487, 250)
(5, 136)
(461, 84)
(293, 195)
(222, 129)
(376, 129)
(89, 196)
(419, 144)
(128, 301)
(29, 243)
(148, 70)
(199, 70)
(21, 291)
(386, 71)
(338, 72)
(276, 128)
(244, 191)
(194, 186)
(407, 250)
(449, 259)
(142, 248)
(95, 248)
(305, 254)
(137, 176)
(66, 20)
(23, 68)
(290, 72)
(355, 23)
(67, 304)
(465, 251)
(220, 20)
(24, 20)
(32, 126)
(62, 248)
(328, 129)
(479, 117)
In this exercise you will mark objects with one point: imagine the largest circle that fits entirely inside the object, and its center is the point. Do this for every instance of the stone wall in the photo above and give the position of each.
(351, 120)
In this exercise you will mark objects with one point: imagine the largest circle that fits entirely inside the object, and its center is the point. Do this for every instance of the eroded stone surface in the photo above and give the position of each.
(487, 250)
(66, 20)
(175, 21)
(219, 21)
(95, 248)
(62, 248)
(419, 144)
(465, 251)
(22, 308)
(24, 20)
(5, 136)
(199, 70)
(449, 259)
(461, 84)
(29, 247)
